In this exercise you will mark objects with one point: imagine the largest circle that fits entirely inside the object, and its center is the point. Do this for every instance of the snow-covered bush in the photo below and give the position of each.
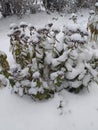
(93, 25)
(34, 51)
(81, 68)
(74, 34)
(4, 68)
(48, 59)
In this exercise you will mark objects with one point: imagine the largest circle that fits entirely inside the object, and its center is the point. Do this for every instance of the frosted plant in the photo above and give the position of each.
(49, 60)
(93, 25)
(23, 25)
(74, 34)
(80, 70)
(30, 51)
(19, 44)
(4, 69)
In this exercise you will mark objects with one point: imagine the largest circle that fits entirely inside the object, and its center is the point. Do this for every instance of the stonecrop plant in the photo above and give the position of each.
(49, 59)
(33, 50)
(4, 69)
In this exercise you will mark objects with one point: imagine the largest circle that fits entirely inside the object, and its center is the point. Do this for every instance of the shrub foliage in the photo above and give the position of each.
(49, 59)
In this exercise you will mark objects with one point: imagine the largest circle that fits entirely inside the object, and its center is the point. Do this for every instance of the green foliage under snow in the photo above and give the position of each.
(49, 59)
(93, 25)
(4, 68)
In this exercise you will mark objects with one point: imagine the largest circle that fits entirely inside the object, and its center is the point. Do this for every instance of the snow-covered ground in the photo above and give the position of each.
(79, 111)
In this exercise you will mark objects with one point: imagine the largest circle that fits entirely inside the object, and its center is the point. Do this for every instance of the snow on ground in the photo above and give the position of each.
(79, 112)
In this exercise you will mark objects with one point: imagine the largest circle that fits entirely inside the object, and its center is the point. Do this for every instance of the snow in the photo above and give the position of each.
(13, 25)
(79, 112)
(2, 53)
(48, 58)
(76, 37)
(3, 81)
(91, 12)
(75, 84)
(34, 39)
(86, 79)
(55, 29)
(23, 24)
(75, 71)
(53, 75)
(24, 72)
(96, 4)
(25, 83)
(36, 75)
(33, 84)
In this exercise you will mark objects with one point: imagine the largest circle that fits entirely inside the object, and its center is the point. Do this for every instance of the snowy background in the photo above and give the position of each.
(79, 111)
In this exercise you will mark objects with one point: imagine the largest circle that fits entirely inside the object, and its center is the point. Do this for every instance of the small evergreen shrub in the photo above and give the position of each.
(4, 69)
(33, 53)
(81, 68)
(49, 59)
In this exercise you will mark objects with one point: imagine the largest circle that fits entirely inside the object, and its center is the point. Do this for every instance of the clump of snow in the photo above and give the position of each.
(34, 39)
(13, 26)
(33, 91)
(76, 37)
(92, 12)
(3, 81)
(36, 75)
(96, 4)
(33, 84)
(25, 71)
(55, 29)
